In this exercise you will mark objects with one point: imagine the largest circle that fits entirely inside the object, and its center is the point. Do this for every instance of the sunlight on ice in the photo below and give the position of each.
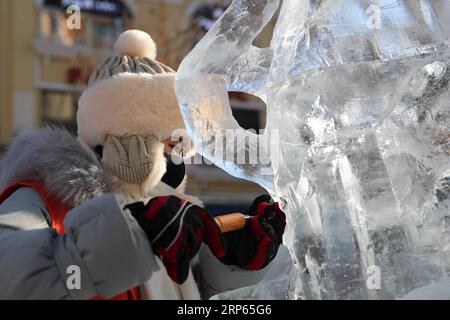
(363, 118)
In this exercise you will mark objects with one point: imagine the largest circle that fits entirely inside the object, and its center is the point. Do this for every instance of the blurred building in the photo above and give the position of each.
(46, 65)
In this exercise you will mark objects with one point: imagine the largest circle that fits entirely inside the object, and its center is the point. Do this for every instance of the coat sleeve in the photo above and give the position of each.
(216, 277)
(103, 242)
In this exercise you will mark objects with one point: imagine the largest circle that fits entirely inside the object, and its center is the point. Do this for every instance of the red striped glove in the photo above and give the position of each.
(176, 230)
(256, 245)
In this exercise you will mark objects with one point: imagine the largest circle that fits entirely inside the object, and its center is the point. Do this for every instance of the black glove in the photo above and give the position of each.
(256, 245)
(176, 229)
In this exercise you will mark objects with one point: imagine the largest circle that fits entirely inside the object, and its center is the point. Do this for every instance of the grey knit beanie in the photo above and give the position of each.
(135, 53)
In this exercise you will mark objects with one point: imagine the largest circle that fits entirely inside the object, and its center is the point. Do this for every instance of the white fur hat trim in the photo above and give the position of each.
(129, 104)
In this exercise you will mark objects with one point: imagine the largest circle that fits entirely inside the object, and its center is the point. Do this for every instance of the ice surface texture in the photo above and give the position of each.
(357, 96)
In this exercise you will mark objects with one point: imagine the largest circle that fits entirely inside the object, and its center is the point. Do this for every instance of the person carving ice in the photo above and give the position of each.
(111, 202)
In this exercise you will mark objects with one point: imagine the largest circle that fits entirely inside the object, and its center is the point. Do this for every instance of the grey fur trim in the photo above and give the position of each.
(67, 167)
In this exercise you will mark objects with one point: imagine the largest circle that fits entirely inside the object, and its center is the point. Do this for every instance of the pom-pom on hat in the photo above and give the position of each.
(130, 93)
(136, 43)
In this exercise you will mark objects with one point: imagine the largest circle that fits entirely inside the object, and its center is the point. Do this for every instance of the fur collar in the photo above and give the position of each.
(67, 167)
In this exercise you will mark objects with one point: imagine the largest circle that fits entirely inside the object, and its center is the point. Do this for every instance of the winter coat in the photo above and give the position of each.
(102, 240)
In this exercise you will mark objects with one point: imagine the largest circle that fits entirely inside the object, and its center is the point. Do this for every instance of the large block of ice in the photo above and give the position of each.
(357, 96)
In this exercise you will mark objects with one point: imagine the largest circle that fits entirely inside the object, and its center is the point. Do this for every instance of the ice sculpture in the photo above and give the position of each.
(357, 95)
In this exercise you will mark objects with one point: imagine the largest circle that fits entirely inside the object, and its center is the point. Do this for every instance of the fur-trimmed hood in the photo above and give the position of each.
(68, 168)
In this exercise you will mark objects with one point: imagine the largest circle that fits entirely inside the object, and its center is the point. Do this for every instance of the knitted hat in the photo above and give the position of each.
(130, 93)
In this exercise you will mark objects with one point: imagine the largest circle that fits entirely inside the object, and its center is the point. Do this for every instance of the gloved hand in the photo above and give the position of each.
(176, 229)
(256, 245)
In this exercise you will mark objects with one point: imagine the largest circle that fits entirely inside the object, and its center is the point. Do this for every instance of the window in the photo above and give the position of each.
(47, 24)
(59, 108)
(53, 28)
(102, 21)
(105, 31)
